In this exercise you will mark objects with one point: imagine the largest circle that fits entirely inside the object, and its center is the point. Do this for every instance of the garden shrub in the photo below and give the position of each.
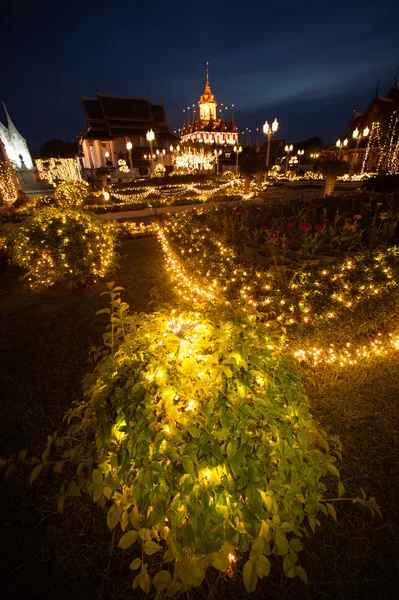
(70, 195)
(195, 435)
(69, 246)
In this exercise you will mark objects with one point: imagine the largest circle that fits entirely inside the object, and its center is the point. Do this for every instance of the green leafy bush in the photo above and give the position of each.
(333, 168)
(70, 195)
(196, 436)
(69, 246)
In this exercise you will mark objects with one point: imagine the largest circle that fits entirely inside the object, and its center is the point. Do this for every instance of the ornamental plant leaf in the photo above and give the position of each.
(161, 580)
(97, 477)
(281, 543)
(113, 516)
(35, 473)
(151, 547)
(250, 576)
(135, 564)
(128, 539)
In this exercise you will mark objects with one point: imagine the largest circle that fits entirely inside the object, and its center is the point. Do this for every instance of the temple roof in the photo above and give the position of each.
(207, 96)
(118, 116)
(379, 109)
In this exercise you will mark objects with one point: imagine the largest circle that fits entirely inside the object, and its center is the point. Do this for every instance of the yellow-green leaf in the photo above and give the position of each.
(302, 574)
(151, 547)
(333, 469)
(145, 582)
(220, 561)
(128, 539)
(135, 564)
(281, 543)
(250, 576)
(332, 511)
(107, 492)
(113, 517)
(135, 517)
(262, 566)
(264, 529)
(296, 544)
(35, 473)
(97, 477)
(173, 588)
(161, 580)
(189, 466)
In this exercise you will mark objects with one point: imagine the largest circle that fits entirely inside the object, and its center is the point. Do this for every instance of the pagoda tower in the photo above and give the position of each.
(209, 129)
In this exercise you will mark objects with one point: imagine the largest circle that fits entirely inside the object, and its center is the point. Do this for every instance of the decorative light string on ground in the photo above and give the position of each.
(212, 261)
(169, 192)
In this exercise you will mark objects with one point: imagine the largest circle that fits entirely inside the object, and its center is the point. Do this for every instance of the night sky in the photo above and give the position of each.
(306, 63)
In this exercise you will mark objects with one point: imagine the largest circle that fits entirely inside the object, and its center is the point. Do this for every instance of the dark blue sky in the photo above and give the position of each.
(306, 63)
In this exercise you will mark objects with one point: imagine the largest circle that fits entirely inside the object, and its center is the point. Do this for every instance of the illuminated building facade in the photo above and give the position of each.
(208, 128)
(112, 122)
(15, 145)
(378, 150)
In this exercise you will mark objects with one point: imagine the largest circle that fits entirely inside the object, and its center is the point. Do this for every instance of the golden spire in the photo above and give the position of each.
(207, 86)
(207, 96)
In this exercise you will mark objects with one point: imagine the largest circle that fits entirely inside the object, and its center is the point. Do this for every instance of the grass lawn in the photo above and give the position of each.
(44, 352)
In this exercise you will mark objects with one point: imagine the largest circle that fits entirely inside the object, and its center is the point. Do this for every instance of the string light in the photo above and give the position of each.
(171, 191)
(8, 188)
(57, 170)
(225, 280)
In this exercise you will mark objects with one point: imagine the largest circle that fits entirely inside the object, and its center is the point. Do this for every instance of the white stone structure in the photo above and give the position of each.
(15, 145)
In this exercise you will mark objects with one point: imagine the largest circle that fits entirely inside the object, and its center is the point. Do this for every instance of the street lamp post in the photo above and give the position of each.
(217, 153)
(288, 149)
(300, 153)
(269, 131)
(237, 150)
(341, 145)
(357, 136)
(129, 147)
(150, 138)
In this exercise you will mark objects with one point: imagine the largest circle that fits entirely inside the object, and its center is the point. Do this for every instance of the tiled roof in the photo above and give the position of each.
(118, 116)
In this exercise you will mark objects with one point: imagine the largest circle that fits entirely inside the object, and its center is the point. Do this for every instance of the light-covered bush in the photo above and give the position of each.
(69, 246)
(196, 435)
(71, 195)
(227, 175)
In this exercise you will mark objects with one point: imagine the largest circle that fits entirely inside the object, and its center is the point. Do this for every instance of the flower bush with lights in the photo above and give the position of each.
(196, 436)
(70, 247)
(70, 195)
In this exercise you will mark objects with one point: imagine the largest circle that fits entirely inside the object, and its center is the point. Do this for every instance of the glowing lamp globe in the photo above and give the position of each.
(150, 136)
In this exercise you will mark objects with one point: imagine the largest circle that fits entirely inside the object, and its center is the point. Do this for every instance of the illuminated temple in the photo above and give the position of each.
(112, 121)
(208, 128)
(379, 149)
